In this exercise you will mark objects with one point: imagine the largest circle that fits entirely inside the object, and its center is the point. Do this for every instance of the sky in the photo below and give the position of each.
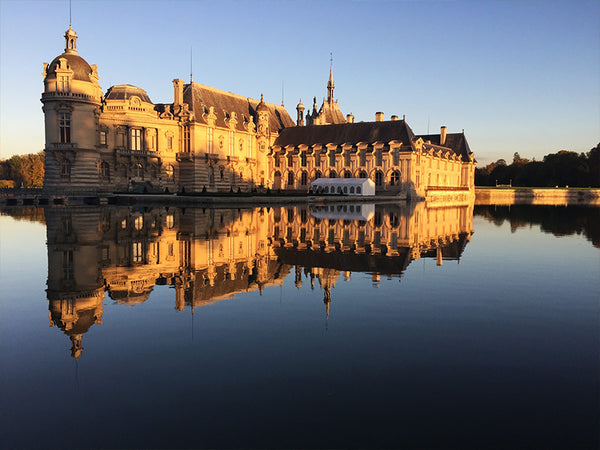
(518, 76)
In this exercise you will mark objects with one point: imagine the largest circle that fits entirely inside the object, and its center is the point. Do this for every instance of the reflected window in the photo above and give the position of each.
(138, 222)
(137, 252)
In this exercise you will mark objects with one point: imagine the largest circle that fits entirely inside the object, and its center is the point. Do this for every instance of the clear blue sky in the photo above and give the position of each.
(516, 75)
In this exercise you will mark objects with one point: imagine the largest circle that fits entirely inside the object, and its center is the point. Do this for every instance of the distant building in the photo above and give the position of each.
(213, 140)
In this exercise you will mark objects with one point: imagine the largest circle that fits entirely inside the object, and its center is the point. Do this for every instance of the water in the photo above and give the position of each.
(373, 326)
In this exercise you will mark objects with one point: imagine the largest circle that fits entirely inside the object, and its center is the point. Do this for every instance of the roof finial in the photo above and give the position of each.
(191, 64)
(69, 13)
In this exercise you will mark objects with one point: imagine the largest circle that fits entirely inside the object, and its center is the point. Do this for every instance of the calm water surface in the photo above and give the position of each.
(363, 326)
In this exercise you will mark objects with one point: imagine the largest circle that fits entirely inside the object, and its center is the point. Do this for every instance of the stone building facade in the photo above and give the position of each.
(212, 140)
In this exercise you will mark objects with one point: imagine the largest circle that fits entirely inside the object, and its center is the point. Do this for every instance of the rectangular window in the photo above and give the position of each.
(277, 161)
(332, 158)
(318, 158)
(290, 161)
(209, 140)
(170, 142)
(68, 265)
(347, 158)
(63, 84)
(303, 159)
(396, 156)
(379, 158)
(65, 127)
(317, 235)
(103, 137)
(186, 139)
(137, 252)
(136, 139)
(363, 159)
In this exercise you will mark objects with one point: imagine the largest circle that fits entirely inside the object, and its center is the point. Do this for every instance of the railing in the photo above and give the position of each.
(47, 95)
(62, 146)
(128, 152)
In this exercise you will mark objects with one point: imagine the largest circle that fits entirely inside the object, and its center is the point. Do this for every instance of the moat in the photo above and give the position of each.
(304, 326)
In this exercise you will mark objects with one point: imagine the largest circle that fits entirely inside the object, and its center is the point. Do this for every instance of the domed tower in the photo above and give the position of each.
(71, 99)
(300, 111)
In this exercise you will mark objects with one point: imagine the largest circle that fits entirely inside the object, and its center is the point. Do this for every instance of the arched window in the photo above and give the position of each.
(332, 174)
(170, 172)
(290, 180)
(362, 174)
(345, 189)
(104, 170)
(395, 178)
(139, 171)
(379, 178)
(352, 189)
(317, 174)
(304, 178)
(65, 168)
(347, 174)
(358, 189)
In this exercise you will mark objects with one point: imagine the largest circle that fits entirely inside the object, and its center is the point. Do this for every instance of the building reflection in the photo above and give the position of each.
(208, 255)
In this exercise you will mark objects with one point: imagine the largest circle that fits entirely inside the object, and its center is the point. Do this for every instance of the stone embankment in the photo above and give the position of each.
(537, 196)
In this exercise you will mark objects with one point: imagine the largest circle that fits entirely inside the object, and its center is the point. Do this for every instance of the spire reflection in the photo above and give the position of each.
(208, 255)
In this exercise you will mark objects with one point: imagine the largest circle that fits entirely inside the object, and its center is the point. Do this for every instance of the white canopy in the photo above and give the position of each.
(346, 186)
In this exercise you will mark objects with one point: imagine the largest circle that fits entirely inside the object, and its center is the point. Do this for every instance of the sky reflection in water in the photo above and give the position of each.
(495, 347)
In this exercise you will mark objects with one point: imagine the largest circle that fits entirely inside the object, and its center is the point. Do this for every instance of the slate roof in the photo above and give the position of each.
(200, 97)
(330, 112)
(347, 133)
(81, 69)
(125, 92)
(457, 142)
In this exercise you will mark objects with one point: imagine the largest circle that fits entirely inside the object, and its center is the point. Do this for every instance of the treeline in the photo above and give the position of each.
(562, 169)
(557, 221)
(22, 170)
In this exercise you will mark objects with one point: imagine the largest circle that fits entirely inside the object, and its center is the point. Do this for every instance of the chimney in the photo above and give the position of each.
(394, 118)
(178, 95)
(443, 136)
(379, 116)
(349, 118)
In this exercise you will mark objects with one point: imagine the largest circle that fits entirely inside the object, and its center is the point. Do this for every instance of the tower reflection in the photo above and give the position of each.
(208, 255)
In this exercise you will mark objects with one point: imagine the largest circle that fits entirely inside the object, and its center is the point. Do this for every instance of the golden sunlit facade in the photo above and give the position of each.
(209, 140)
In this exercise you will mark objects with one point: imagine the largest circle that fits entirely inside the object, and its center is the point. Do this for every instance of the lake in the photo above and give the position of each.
(336, 326)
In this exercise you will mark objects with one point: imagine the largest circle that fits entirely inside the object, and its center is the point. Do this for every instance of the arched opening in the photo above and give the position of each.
(332, 174)
(277, 180)
(304, 178)
(211, 176)
(290, 179)
(170, 172)
(317, 174)
(104, 171)
(379, 178)
(395, 178)
(362, 174)
(139, 171)
(65, 169)
(347, 174)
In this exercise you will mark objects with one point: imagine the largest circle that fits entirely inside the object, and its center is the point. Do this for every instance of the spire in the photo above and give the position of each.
(330, 83)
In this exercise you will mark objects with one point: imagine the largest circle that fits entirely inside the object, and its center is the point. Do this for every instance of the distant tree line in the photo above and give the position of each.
(564, 168)
(22, 170)
(569, 221)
